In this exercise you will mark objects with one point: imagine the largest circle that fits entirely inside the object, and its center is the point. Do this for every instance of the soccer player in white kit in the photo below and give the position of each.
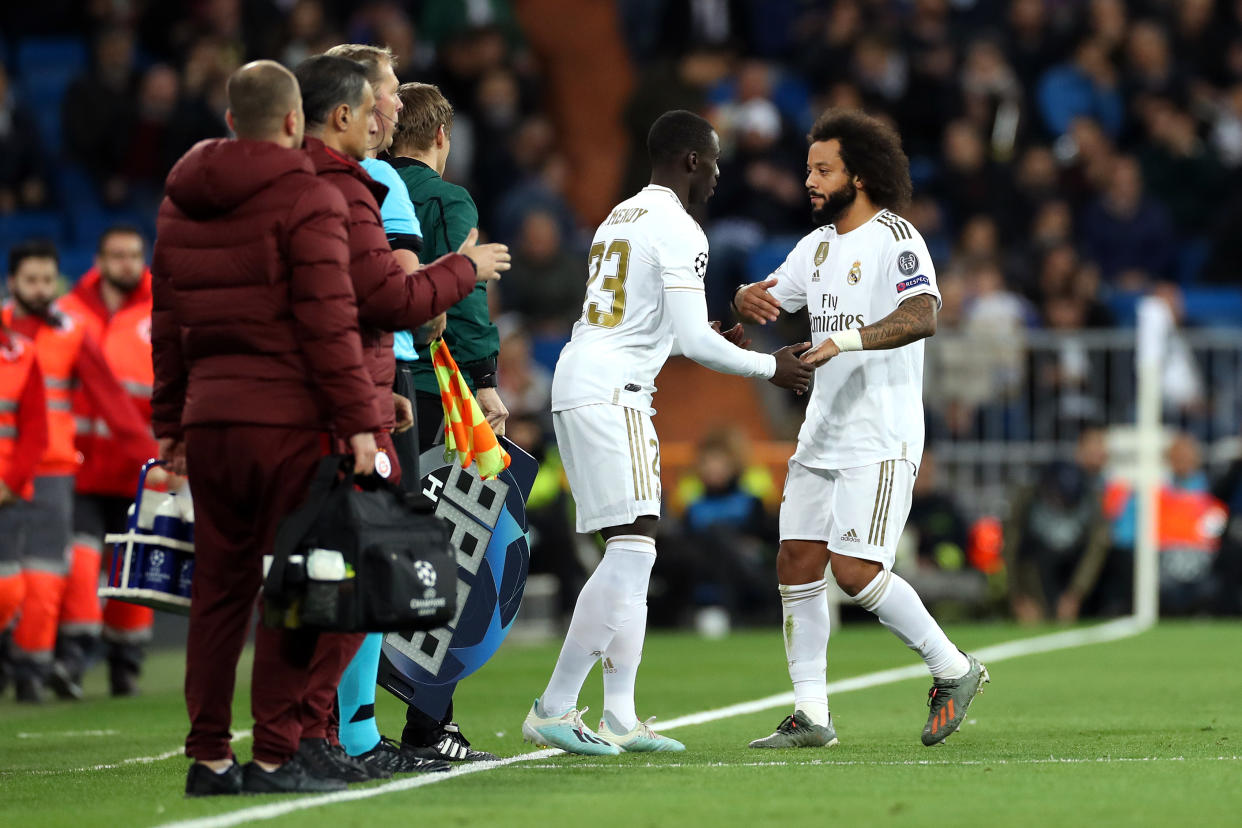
(869, 287)
(644, 299)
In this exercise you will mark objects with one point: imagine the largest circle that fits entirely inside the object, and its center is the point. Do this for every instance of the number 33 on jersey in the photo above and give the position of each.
(647, 245)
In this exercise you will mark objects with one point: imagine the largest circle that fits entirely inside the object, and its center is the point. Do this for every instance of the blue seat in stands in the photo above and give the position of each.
(76, 259)
(546, 350)
(45, 68)
(31, 224)
(768, 257)
(1124, 307)
(56, 55)
(1213, 306)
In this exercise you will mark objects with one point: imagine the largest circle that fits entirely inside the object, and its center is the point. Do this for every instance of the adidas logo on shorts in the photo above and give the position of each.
(850, 536)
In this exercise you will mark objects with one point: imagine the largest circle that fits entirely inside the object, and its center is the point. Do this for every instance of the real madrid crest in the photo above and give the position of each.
(821, 253)
(855, 273)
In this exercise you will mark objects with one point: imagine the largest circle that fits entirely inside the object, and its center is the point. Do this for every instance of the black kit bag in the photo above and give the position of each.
(360, 560)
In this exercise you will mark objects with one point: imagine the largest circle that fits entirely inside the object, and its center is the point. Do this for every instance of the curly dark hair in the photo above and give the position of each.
(871, 150)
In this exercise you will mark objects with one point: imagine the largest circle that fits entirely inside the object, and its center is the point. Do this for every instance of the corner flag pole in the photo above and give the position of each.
(1155, 324)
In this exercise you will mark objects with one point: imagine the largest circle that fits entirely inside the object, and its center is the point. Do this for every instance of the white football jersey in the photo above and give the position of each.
(647, 245)
(865, 406)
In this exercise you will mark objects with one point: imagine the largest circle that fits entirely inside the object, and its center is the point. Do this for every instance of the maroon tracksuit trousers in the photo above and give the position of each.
(246, 479)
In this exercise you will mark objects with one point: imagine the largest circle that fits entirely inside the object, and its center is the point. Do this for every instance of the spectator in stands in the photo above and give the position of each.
(1085, 86)
(991, 94)
(546, 288)
(1086, 155)
(932, 554)
(525, 384)
(829, 44)
(1190, 524)
(537, 182)
(970, 183)
(1150, 70)
(307, 29)
(1031, 42)
(1125, 229)
(549, 509)
(1057, 538)
(881, 71)
(1224, 261)
(1180, 170)
(166, 125)
(728, 534)
(98, 109)
(1036, 182)
(763, 187)
(936, 527)
(1228, 568)
(22, 175)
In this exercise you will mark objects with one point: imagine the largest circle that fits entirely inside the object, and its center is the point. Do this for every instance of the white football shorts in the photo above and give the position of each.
(612, 459)
(859, 512)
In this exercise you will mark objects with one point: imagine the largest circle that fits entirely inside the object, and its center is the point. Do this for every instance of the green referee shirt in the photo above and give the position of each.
(447, 215)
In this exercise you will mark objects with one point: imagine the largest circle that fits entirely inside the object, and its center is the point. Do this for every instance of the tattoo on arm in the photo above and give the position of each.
(913, 320)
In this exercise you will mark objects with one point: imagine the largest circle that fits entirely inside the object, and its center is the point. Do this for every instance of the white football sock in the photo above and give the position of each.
(806, 628)
(621, 661)
(899, 608)
(609, 600)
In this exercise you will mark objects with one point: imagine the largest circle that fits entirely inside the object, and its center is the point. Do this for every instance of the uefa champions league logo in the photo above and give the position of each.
(426, 573)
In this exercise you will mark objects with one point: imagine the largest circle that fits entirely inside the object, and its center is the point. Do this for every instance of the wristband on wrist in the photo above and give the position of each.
(848, 340)
(736, 291)
(482, 372)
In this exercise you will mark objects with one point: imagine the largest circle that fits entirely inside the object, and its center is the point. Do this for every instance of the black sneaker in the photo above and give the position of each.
(6, 664)
(30, 690)
(449, 744)
(124, 667)
(64, 684)
(201, 780)
(322, 758)
(74, 653)
(291, 777)
(389, 756)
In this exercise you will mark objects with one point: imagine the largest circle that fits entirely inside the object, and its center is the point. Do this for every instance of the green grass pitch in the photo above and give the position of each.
(1141, 731)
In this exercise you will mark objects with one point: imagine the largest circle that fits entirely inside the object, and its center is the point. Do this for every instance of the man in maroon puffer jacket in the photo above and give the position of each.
(258, 362)
(339, 104)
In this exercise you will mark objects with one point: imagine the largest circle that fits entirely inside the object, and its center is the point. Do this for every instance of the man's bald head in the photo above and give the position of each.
(265, 103)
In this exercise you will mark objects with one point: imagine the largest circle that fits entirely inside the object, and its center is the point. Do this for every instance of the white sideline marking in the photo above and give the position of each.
(1051, 760)
(137, 760)
(68, 733)
(1111, 631)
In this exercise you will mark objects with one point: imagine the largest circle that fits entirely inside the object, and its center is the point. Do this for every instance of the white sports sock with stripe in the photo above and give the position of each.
(621, 661)
(806, 628)
(614, 596)
(899, 608)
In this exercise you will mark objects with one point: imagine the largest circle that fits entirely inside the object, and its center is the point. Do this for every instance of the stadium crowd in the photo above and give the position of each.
(1068, 158)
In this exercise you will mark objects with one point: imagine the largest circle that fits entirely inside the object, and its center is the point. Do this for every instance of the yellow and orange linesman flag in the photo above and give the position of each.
(467, 433)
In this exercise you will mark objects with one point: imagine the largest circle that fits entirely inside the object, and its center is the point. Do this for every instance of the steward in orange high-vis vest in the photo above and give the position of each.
(23, 438)
(112, 301)
(69, 359)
